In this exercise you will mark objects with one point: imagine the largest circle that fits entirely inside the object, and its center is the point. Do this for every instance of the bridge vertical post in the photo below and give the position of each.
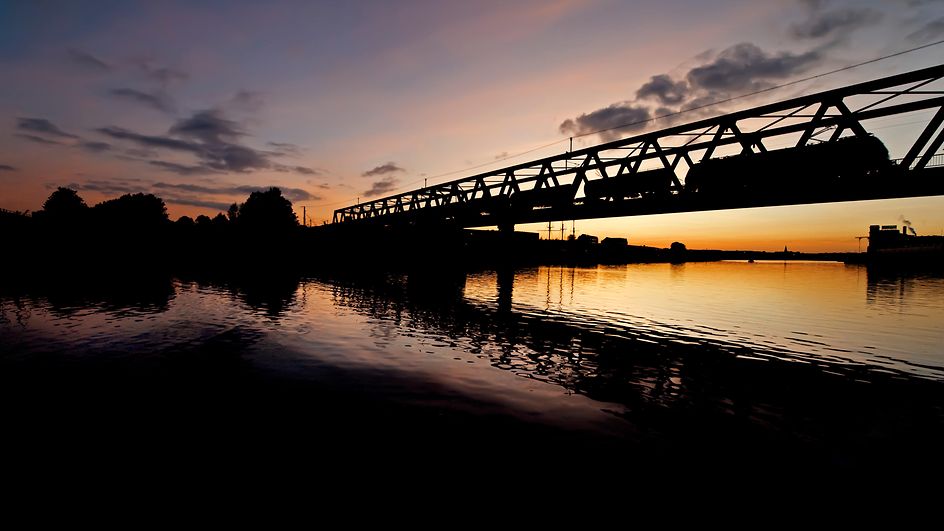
(506, 227)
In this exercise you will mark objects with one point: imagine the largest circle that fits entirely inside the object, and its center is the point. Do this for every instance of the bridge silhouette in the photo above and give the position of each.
(824, 153)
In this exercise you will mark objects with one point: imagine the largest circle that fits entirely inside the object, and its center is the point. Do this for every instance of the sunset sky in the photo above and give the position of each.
(202, 102)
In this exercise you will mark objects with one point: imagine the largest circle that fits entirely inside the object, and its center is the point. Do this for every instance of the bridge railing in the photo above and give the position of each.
(561, 179)
(936, 160)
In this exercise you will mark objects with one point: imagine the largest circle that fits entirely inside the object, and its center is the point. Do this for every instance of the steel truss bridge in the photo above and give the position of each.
(647, 173)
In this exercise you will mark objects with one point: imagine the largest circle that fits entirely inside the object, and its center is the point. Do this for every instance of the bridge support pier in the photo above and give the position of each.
(506, 227)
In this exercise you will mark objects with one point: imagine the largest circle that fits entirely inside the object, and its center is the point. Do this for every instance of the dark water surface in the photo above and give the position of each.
(765, 365)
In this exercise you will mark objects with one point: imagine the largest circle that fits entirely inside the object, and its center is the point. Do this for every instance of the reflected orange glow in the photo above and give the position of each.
(818, 308)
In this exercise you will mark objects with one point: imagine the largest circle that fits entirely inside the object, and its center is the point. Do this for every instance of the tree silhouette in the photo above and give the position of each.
(64, 204)
(132, 211)
(267, 211)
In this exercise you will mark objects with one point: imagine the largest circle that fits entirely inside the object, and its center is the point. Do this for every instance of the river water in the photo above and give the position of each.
(783, 362)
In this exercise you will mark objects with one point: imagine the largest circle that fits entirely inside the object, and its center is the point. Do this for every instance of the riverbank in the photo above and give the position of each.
(40, 248)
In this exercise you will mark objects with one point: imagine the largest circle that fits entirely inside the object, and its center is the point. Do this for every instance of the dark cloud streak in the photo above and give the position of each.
(158, 101)
(39, 139)
(383, 169)
(109, 187)
(161, 74)
(664, 89)
(609, 121)
(149, 140)
(140, 153)
(381, 187)
(87, 60)
(208, 135)
(929, 32)
(247, 100)
(181, 169)
(189, 201)
(285, 148)
(834, 22)
(95, 147)
(209, 126)
(293, 194)
(746, 66)
(302, 170)
(166, 75)
(42, 126)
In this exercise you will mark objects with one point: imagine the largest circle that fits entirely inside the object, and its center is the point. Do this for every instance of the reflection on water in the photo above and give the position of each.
(826, 359)
(811, 312)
